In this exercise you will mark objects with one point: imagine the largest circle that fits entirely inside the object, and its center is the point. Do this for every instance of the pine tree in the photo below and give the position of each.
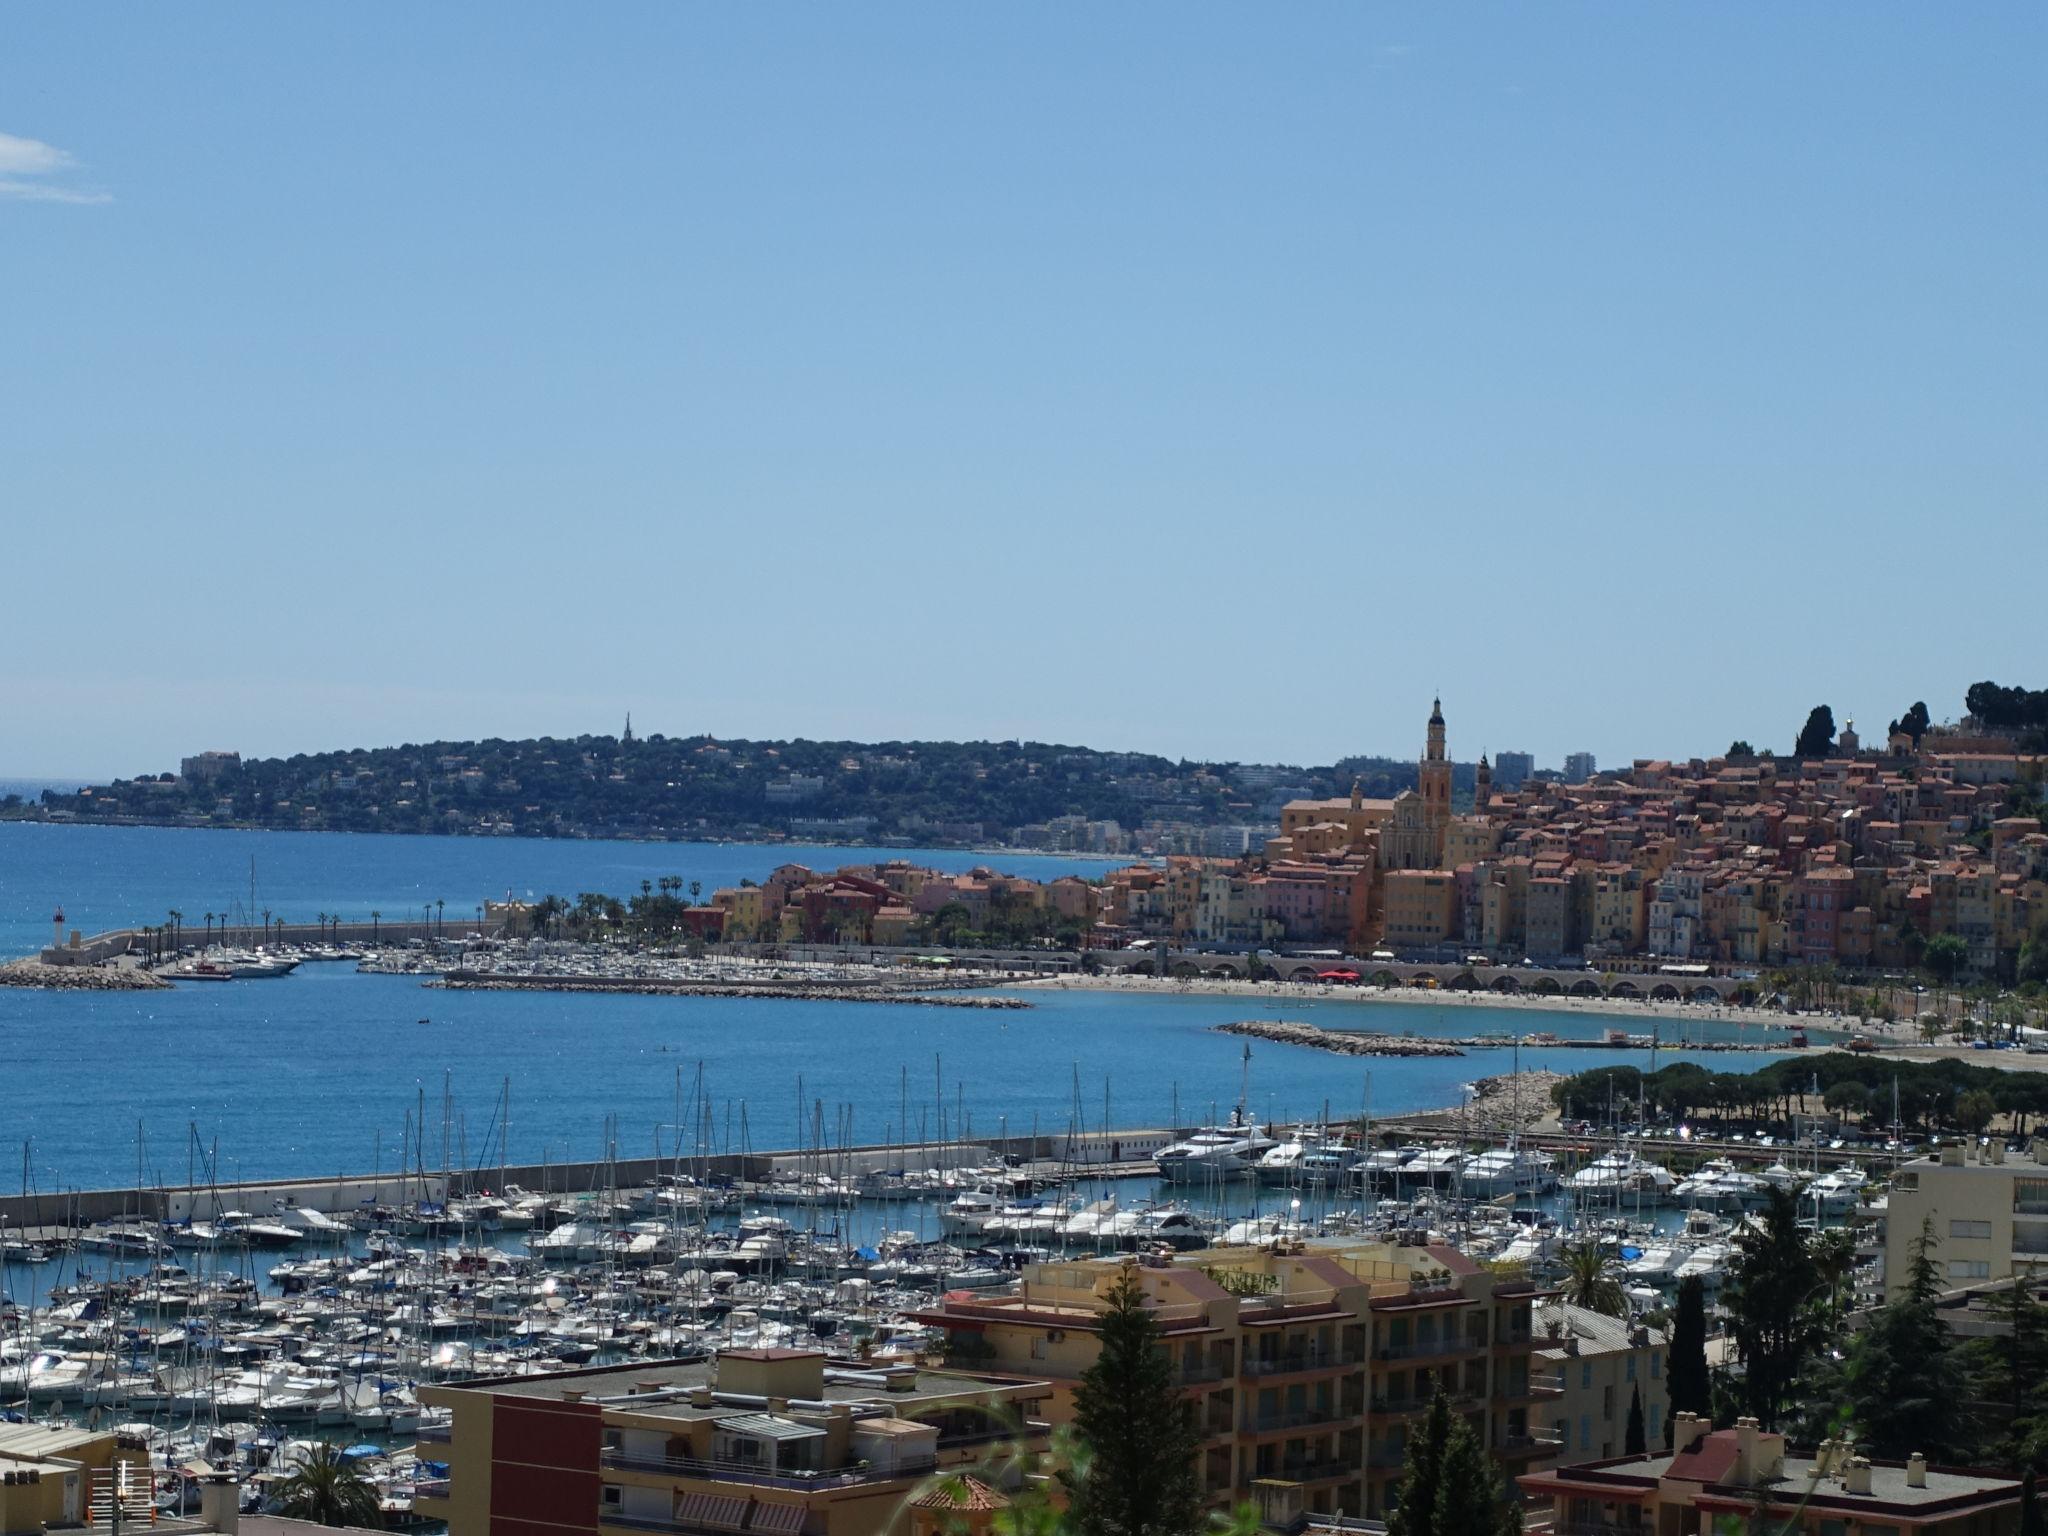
(1422, 1482)
(1139, 1477)
(1638, 1441)
(1468, 1495)
(1691, 1391)
(1904, 1383)
(2031, 1522)
(1770, 1295)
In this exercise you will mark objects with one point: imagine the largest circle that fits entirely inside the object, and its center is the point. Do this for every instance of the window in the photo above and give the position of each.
(612, 1496)
(1586, 1376)
(1607, 1403)
(1631, 1373)
(1969, 1229)
(1969, 1269)
(1585, 1431)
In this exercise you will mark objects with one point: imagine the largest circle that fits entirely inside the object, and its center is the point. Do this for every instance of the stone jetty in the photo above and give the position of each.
(831, 992)
(77, 978)
(1344, 1042)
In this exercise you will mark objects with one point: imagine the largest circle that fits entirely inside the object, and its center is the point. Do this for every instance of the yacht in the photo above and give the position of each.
(1508, 1170)
(1217, 1151)
(1839, 1189)
(1623, 1173)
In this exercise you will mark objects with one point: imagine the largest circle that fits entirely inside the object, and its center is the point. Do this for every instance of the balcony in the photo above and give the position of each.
(753, 1475)
(435, 1434)
(644, 1523)
(1297, 1418)
(1425, 1349)
(1529, 1445)
(432, 1488)
(1316, 1469)
(1207, 1371)
(1307, 1360)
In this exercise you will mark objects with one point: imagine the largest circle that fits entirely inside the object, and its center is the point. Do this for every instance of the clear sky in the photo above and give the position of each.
(1211, 381)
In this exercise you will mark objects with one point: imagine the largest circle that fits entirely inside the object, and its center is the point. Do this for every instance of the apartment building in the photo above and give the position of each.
(764, 1442)
(1744, 1479)
(1307, 1364)
(1989, 1210)
(1603, 1365)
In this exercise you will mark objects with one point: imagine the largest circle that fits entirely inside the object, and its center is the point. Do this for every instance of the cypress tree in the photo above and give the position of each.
(1904, 1381)
(1422, 1482)
(2031, 1523)
(1637, 1442)
(1469, 1497)
(1770, 1295)
(1139, 1477)
(1686, 1370)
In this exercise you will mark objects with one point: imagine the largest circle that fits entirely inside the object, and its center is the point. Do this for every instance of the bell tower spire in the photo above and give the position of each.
(1434, 778)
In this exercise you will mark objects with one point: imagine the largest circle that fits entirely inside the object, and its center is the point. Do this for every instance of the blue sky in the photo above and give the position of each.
(1213, 381)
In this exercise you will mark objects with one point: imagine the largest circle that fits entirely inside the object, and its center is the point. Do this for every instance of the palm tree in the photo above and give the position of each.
(1587, 1283)
(328, 1490)
(209, 930)
(374, 916)
(696, 889)
(1834, 1255)
(440, 922)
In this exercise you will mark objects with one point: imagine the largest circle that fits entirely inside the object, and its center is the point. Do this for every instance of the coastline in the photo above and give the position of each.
(1296, 992)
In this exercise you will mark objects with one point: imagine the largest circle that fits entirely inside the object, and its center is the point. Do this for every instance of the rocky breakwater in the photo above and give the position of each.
(1343, 1042)
(832, 992)
(77, 978)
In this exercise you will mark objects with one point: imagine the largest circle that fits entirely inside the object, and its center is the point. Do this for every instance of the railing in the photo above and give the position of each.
(1298, 1418)
(646, 1523)
(1192, 1375)
(2030, 1205)
(1309, 1471)
(435, 1434)
(432, 1488)
(773, 1477)
(1423, 1348)
(1530, 1444)
(1312, 1360)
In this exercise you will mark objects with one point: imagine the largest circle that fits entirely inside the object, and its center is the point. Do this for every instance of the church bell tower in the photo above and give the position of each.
(1435, 778)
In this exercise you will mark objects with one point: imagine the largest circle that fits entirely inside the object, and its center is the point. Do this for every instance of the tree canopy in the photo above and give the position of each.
(1138, 1478)
(1817, 736)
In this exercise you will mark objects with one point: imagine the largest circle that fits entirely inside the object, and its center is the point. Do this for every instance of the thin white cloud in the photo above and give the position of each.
(23, 162)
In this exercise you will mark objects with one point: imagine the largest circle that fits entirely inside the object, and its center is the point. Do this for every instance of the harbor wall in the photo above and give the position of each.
(348, 1192)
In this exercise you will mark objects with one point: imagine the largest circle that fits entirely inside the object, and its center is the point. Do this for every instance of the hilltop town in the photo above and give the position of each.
(1909, 852)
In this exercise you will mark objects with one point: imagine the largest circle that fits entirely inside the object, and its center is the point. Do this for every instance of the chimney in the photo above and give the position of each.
(1746, 1469)
(1685, 1427)
(1995, 1153)
(220, 1503)
(700, 1396)
(1952, 1156)
(1824, 1458)
(572, 1394)
(1916, 1471)
(1857, 1478)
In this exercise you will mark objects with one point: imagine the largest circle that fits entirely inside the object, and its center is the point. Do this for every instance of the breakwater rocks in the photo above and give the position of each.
(77, 978)
(1344, 1042)
(467, 981)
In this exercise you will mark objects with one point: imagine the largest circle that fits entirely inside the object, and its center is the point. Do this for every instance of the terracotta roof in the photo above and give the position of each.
(962, 1493)
(1710, 1459)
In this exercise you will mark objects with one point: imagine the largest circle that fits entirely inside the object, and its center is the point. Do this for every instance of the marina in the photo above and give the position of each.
(341, 1179)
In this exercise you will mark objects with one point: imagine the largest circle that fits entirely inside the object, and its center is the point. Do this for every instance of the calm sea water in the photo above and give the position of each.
(110, 877)
(315, 1073)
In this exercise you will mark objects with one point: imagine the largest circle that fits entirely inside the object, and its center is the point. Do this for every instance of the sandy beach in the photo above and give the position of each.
(1562, 1007)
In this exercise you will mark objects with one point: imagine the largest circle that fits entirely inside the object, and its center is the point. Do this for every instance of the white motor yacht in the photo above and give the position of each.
(1509, 1170)
(1215, 1152)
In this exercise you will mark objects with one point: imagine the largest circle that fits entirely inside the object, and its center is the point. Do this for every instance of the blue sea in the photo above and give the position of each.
(315, 1073)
